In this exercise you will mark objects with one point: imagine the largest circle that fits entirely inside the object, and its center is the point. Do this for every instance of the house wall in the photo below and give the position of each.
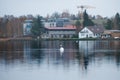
(115, 34)
(27, 27)
(111, 33)
(50, 24)
(60, 34)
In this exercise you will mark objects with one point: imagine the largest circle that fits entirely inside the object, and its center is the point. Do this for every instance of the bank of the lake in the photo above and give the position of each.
(29, 38)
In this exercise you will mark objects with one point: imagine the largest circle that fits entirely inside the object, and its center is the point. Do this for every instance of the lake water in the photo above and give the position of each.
(42, 60)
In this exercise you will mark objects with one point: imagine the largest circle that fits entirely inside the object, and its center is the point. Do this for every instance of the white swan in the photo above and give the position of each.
(61, 50)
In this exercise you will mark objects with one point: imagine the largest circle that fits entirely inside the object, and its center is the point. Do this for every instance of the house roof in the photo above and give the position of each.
(111, 31)
(96, 29)
(69, 27)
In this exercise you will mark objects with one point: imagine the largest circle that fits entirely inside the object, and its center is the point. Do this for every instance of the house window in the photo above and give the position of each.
(90, 35)
(97, 29)
(52, 24)
(95, 34)
(82, 34)
(86, 31)
(47, 32)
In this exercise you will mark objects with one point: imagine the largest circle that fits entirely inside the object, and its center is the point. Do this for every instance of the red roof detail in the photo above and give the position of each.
(70, 27)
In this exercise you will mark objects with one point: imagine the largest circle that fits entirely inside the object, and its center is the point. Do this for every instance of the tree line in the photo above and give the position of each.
(113, 23)
(11, 26)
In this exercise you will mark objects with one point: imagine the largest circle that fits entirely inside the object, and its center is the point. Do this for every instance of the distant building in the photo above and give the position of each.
(60, 32)
(27, 25)
(111, 34)
(91, 32)
(60, 22)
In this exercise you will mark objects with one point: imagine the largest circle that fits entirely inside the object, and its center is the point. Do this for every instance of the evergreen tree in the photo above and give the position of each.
(109, 24)
(38, 27)
(86, 20)
(117, 21)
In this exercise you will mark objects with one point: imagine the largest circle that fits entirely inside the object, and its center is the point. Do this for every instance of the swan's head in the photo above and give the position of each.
(61, 45)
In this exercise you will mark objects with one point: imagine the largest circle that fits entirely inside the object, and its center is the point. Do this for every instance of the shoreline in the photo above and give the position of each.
(29, 38)
(14, 39)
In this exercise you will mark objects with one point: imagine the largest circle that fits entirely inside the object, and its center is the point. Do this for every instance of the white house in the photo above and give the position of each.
(91, 32)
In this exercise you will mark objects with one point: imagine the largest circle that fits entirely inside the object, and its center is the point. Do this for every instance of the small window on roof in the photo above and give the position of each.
(98, 29)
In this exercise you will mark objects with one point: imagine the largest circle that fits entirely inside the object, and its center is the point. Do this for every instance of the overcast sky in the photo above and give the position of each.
(43, 7)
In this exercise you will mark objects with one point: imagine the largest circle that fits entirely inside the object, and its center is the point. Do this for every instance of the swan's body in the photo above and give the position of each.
(61, 49)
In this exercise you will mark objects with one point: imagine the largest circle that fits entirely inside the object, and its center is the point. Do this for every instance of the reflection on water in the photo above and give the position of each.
(42, 60)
